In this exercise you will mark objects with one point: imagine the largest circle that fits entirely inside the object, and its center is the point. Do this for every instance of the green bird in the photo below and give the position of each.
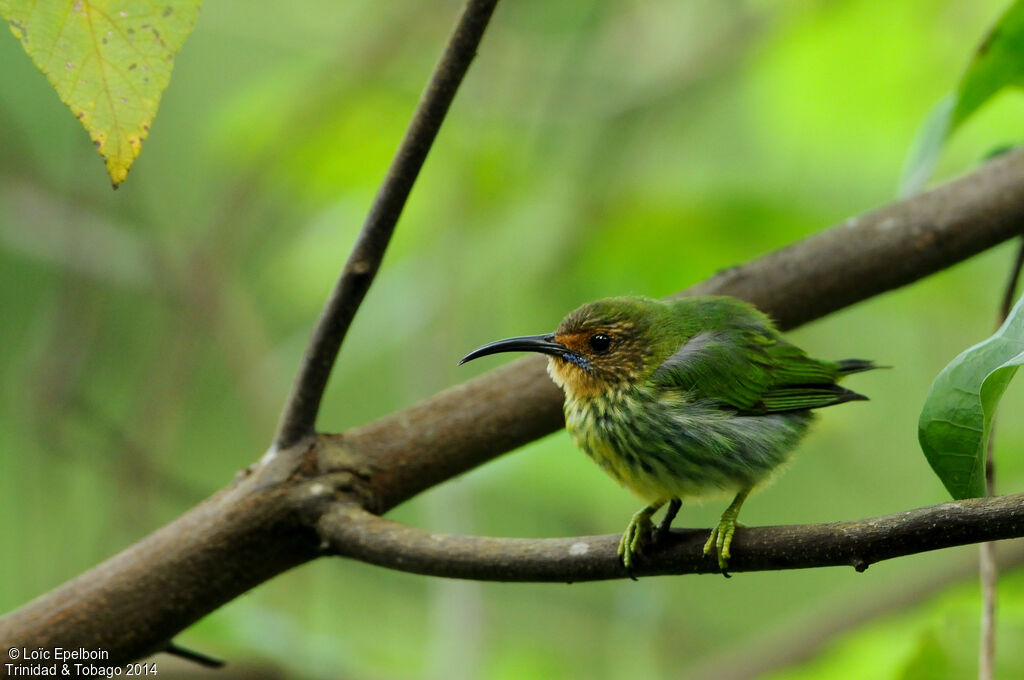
(683, 399)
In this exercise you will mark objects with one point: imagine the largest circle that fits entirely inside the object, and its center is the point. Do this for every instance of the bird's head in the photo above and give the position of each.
(599, 347)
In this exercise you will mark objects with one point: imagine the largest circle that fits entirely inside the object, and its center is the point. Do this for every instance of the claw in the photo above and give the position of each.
(634, 538)
(721, 536)
(638, 534)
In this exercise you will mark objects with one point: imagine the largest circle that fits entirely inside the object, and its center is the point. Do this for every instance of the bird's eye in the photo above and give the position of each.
(599, 342)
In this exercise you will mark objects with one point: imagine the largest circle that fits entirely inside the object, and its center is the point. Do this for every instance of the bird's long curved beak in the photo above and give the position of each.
(545, 344)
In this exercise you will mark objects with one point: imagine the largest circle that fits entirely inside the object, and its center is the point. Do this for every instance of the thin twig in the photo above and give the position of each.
(192, 655)
(298, 418)
(353, 532)
(988, 571)
(989, 574)
(1011, 286)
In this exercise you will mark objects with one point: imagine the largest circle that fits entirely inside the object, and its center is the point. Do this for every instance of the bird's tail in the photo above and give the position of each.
(848, 366)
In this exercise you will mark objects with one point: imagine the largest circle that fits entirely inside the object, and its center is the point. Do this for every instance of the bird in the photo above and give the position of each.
(683, 399)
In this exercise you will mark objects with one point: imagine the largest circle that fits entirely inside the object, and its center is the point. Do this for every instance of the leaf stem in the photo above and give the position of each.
(987, 568)
(1011, 286)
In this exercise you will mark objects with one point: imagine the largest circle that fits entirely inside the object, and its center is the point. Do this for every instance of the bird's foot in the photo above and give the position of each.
(720, 539)
(638, 534)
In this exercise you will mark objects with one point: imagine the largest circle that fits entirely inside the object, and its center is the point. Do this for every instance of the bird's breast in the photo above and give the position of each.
(668, 446)
(609, 428)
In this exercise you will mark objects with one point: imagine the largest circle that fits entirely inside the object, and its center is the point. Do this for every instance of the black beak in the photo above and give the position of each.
(545, 344)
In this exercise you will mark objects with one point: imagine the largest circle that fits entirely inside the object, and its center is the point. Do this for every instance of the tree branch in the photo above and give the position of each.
(133, 603)
(268, 521)
(353, 532)
(298, 418)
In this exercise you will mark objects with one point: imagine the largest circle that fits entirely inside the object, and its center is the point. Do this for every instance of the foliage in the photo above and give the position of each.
(956, 420)
(108, 60)
(997, 63)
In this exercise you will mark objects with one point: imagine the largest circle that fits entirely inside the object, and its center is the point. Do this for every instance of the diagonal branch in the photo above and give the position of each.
(353, 532)
(298, 418)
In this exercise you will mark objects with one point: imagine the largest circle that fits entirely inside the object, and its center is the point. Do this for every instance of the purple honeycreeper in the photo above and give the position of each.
(683, 399)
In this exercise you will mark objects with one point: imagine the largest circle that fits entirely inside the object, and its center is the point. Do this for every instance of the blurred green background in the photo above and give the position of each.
(149, 335)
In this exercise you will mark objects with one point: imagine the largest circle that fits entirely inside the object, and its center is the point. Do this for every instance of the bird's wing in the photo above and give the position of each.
(751, 370)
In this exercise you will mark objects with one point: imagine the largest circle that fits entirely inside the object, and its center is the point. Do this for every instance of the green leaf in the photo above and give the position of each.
(108, 60)
(997, 63)
(957, 415)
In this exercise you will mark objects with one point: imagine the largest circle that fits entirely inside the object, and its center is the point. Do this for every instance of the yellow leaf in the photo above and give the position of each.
(108, 60)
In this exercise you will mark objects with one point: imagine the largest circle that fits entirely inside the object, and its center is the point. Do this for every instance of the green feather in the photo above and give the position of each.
(738, 360)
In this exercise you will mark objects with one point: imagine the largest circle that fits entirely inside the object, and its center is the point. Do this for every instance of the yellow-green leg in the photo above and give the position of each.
(721, 536)
(637, 534)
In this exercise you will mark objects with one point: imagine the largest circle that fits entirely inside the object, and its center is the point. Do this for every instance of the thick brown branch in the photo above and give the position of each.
(853, 261)
(354, 532)
(299, 416)
(131, 604)
(467, 425)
